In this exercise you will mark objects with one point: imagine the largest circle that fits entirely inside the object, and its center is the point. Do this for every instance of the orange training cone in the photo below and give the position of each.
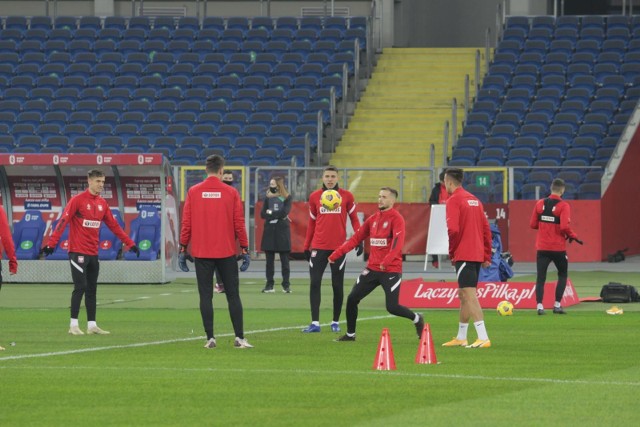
(384, 357)
(426, 352)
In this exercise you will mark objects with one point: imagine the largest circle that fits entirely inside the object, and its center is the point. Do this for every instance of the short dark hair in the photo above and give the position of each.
(441, 176)
(557, 184)
(214, 163)
(455, 174)
(227, 172)
(331, 168)
(95, 173)
(390, 190)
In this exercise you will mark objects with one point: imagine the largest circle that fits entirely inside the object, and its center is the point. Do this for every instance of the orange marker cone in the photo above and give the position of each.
(426, 352)
(384, 357)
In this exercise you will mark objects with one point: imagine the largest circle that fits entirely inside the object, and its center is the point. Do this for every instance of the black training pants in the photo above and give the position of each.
(84, 272)
(317, 265)
(270, 268)
(543, 259)
(365, 284)
(228, 269)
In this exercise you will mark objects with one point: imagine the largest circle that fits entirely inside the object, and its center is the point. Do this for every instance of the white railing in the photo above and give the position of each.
(466, 97)
(445, 143)
(454, 122)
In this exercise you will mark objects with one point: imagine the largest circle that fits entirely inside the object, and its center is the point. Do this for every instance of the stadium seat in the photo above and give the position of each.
(145, 232)
(61, 251)
(28, 234)
(589, 191)
(110, 245)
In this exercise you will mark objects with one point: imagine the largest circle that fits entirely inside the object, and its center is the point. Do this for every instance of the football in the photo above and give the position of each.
(330, 199)
(505, 308)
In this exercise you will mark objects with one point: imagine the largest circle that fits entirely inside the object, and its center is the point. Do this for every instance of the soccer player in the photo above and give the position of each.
(385, 231)
(326, 231)
(6, 242)
(552, 218)
(84, 213)
(212, 220)
(469, 249)
(227, 178)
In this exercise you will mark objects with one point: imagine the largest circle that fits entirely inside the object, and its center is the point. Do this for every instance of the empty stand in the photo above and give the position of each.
(565, 87)
(152, 65)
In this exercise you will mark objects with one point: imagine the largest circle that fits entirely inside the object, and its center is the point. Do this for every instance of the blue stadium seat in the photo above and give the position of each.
(589, 191)
(145, 232)
(86, 22)
(28, 234)
(61, 251)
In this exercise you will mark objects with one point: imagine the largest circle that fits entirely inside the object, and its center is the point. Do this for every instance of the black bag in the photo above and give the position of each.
(618, 256)
(617, 292)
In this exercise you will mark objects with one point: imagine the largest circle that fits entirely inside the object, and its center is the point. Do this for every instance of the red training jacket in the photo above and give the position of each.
(385, 230)
(212, 219)
(84, 213)
(551, 235)
(444, 195)
(6, 242)
(468, 228)
(328, 229)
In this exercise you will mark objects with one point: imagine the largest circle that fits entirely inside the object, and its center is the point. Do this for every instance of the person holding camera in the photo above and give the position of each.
(276, 236)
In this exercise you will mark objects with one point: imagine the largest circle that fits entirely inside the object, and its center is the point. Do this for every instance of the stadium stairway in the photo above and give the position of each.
(402, 112)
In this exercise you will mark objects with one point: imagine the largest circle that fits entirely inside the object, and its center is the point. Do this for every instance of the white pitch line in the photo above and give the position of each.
(315, 373)
(172, 341)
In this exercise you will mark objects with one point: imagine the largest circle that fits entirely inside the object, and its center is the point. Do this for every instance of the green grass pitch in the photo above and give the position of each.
(578, 369)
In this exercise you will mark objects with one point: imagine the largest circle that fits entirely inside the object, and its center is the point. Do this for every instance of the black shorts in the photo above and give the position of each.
(467, 273)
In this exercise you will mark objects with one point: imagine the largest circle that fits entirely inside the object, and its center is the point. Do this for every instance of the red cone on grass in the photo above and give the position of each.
(426, 353)
(384, 357)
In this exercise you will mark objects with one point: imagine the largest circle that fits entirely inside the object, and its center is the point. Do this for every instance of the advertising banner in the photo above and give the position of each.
(417, 293)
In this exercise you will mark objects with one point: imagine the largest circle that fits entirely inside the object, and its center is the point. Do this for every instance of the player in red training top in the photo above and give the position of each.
(552, 218)
(84, 213)
(469, 249)
(6, 242)
(326, 231)
(212, 222)
(385, 230)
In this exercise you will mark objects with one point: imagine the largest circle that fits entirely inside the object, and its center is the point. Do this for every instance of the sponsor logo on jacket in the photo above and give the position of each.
(211, 195)
(90, 224)
(547, 218)
(324, 210)
(378, 242)
(473, 203)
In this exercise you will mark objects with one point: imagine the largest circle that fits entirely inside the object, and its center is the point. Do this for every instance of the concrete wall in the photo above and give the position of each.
(403, 23)
(214, 8)
(453, 23)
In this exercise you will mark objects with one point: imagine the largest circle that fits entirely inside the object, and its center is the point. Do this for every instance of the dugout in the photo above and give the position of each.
(45, 182)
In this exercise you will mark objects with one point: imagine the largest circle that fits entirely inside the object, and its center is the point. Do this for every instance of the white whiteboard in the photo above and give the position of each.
(438, 238)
